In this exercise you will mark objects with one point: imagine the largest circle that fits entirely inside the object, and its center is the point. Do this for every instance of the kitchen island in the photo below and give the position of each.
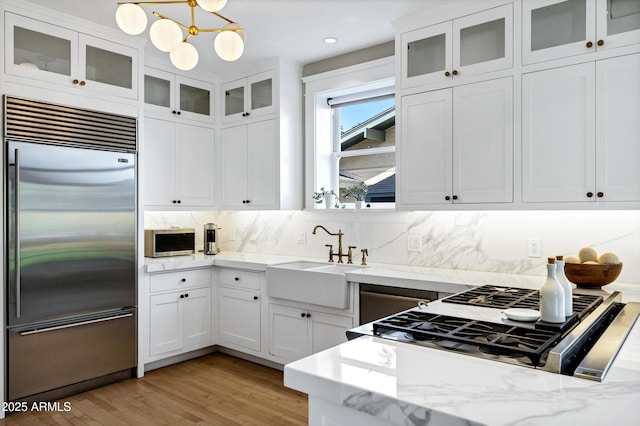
(371, 381)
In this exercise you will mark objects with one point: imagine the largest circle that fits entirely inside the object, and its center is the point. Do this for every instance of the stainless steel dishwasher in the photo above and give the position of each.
(378, 301)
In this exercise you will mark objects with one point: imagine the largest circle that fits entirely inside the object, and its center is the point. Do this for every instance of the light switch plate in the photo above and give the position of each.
(414, 243)
(302, 238)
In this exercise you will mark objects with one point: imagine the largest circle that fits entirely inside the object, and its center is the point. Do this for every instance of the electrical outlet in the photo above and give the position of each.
(302, 238)
(232, 235)
(533, 247)
(414, 243)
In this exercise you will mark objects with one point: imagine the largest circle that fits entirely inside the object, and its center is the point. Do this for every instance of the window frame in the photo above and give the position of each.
(319, 143)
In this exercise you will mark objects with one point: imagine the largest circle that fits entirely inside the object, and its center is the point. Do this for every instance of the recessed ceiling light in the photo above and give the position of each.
(330, 40)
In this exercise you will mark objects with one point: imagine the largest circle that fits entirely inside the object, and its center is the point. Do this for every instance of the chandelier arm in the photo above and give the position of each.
(120, 3)
(161, 16)
(222, 17)
(219, 30)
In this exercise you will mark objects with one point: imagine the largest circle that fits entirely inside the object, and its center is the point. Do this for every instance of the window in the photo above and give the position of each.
(364, 145)
(350, 132)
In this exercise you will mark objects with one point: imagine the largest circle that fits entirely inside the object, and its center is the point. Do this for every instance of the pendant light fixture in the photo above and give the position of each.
(166, 33)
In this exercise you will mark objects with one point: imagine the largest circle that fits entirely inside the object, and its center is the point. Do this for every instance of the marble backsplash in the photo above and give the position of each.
(481, 241)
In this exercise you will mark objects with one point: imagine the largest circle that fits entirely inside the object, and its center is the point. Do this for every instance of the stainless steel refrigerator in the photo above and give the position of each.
(71, 257)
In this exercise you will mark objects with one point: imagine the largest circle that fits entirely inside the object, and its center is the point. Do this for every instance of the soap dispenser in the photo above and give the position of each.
(552, 296)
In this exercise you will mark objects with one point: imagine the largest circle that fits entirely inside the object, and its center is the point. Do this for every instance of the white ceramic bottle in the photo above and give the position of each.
(566, 286)
(551, 296)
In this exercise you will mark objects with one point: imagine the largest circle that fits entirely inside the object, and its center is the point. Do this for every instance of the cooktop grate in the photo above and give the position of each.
(491, 296)
(492, 338)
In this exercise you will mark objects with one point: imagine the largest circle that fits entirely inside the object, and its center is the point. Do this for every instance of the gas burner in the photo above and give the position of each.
(501, 344)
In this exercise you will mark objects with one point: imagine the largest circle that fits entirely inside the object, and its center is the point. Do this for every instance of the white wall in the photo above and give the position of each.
(480, 241)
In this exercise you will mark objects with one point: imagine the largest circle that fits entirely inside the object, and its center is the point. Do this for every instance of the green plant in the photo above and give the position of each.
(318, 197)
(357, 191)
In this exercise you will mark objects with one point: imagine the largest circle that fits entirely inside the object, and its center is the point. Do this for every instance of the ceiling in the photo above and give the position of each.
(290, 29)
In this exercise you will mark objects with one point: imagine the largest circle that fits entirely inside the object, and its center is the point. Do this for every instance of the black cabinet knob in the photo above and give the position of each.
(600, 194)
(255, 297)
(600, 42)
(236, 279)
(174, 112)
(589, 194)
(302, 315)
(186, 295)
(182, 296)
(455, 72)
(455, 197)
(447, 198)
(184, 280)
(308, 315)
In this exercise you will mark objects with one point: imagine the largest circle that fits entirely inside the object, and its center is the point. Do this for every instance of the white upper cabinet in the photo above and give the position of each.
(577, 150)
(457, 145)
(173, 96)
(69, 60)
(474, 44)
(249, 97)
(555, 29)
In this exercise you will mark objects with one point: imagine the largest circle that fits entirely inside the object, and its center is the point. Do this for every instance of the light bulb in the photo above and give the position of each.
(184, 57)
(212, 5)
(229, 44)
(131, 18)
(165, 35)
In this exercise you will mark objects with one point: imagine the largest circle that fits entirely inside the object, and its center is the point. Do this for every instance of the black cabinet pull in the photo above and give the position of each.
(589, 194)
(447, 198)
(600, 194)
(455, 72)
(600, 42)
(308, 315)
(302, 315)
(182, 296)
(255, 297)
(455, 197)
(236, 279)
(174, 112)
(184, 280)
(186, 295)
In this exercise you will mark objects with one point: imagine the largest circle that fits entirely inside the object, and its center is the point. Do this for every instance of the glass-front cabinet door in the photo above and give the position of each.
(40, 51)
(474, 44)
(555, 29)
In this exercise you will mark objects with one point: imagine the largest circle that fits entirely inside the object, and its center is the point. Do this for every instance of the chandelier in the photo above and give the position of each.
(166, 33)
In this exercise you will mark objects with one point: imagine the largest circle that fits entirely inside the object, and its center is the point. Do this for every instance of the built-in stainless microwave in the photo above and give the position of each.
(169, 242)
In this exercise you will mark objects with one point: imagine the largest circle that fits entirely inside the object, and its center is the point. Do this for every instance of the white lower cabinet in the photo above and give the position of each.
(180, 321)
(297, 332)
(240, 311)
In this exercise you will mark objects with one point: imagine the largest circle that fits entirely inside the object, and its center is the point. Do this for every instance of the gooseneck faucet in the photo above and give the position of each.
(331, 254)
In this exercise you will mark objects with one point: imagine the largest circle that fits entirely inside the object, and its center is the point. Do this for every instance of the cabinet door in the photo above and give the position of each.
(618, 129)
(194, 99)
(165, 323)
(262, 164)
(197, 317)
(287, 332)
(555, 29)
(427, 55)
(483, 42)
(261, 99)
(159, 162)
(618, 23)
(159, 93)
(240, 318)
(233, 103)
(483, 142)
(558, 134)
(326, 330)
(108, 67)
(194, 165)
(40, 51)
(234, 167)
(425, 153)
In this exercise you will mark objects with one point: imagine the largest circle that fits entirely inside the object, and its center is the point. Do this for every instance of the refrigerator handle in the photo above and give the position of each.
(16, 241)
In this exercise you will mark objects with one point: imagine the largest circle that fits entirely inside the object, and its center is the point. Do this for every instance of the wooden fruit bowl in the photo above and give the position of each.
(590, 276)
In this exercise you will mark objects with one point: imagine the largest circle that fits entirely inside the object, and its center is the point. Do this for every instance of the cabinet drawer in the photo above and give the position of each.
(179, 280)
(242, 279)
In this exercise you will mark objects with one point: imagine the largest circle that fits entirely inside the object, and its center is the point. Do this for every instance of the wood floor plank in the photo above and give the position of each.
(215, 389)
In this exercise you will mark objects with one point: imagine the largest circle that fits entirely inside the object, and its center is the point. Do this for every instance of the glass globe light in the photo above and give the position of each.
(131, 18)
(229, 44)
(212, 5)
(184, 57)
(165, 34)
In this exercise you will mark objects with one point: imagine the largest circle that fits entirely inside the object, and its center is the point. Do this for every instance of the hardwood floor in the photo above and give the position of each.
(215, 389)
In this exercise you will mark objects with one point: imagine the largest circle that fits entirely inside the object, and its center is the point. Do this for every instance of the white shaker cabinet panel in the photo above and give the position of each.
(166, 329)
(618, 129)
(240, 318)
(327, 330)
(425, 153)
(287, 332)
(483, 142)
(558, 134)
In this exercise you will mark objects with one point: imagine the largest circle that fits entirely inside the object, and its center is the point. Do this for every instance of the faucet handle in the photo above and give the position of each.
(365, 253)
(350, 254)
(330, 252)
